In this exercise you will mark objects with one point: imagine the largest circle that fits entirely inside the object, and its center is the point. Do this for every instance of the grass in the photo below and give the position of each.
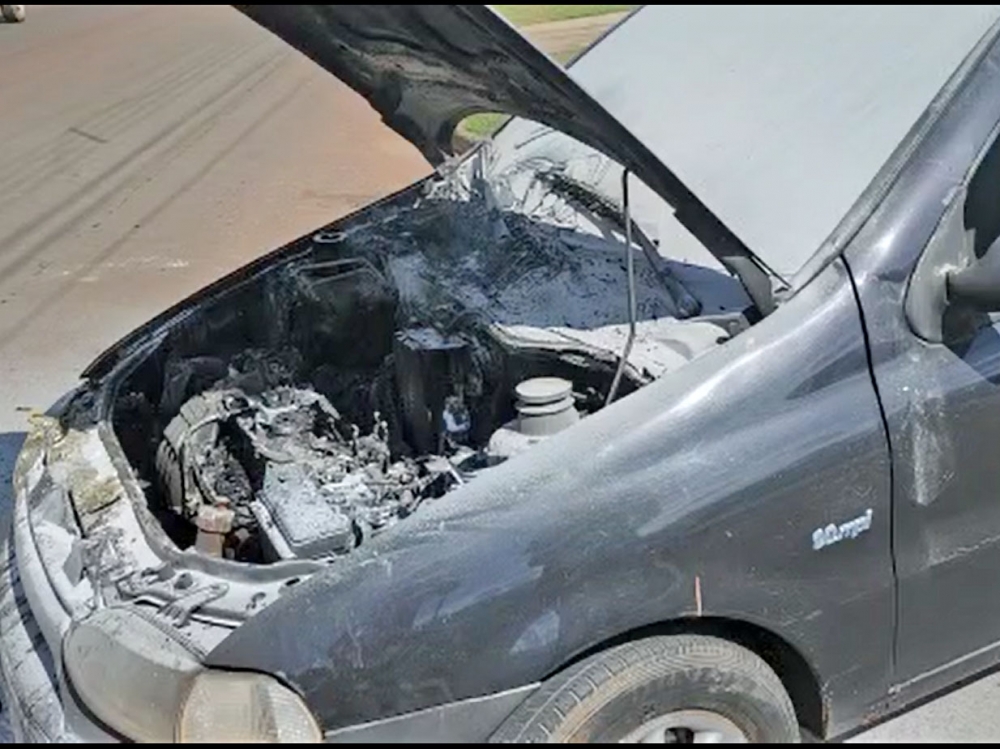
(525, 15)
(483, 125)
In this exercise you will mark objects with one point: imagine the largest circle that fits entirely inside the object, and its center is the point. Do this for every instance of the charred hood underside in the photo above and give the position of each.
(424, 68)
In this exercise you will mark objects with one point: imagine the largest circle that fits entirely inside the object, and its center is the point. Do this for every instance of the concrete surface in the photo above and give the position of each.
(563, 39)
(144, 151)
(968, 715)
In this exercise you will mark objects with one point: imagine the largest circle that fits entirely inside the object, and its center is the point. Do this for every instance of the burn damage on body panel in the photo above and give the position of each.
(404, 351)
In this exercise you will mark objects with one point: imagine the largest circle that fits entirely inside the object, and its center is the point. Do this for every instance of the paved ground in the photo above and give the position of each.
(146, 150)
(968, 715)
(562, 39)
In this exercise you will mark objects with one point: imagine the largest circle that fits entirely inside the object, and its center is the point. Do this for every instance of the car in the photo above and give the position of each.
(13, 13)
(667, 414)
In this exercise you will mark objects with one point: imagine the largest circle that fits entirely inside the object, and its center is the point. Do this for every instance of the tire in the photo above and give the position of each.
(659, 690)
(13, 13)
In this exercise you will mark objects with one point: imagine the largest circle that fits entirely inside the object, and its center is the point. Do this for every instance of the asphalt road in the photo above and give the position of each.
(144, 151)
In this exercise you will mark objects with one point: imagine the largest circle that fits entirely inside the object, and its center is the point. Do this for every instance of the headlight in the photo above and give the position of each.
(149, 688)
(244, 707)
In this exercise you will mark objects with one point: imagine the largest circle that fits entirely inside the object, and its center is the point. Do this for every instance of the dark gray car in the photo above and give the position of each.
(668, 414)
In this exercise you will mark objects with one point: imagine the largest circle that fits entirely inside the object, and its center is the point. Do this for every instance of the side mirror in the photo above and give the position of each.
(978, 285)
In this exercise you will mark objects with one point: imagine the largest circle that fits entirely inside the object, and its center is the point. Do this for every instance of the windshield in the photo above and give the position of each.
(777, 117)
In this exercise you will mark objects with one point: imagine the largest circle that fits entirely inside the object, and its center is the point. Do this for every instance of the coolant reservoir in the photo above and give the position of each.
(544, 407)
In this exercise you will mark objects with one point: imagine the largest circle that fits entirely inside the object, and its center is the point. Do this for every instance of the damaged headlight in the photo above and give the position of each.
(244, 707)
(148, 687)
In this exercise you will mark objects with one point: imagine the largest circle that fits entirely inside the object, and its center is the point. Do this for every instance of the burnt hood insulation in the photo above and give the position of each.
(424, 68)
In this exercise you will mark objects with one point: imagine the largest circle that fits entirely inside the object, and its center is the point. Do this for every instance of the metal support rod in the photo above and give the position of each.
(632, 306)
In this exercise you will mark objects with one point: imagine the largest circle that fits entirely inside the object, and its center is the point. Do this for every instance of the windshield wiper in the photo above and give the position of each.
(752, 272)
(586, 197)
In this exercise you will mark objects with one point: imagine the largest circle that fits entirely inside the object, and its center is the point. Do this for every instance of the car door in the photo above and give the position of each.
(936, 365)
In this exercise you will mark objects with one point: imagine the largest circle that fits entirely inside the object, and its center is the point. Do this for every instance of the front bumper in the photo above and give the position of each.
(29, 692)
(36, 701)
(29, 676)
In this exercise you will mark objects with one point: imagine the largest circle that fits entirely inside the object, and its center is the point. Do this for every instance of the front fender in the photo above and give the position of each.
(696, 496)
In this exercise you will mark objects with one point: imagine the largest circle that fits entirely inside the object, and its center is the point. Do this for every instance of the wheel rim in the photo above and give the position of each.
(687, 727)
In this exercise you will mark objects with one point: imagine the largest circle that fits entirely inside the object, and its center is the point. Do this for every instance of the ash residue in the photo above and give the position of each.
(452, 263)
(301, 481)
(510, 271)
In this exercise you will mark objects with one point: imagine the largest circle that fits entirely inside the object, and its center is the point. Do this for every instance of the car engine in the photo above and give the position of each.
(268, 472)
(285, 470)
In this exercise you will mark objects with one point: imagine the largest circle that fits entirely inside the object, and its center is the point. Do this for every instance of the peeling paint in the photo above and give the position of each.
(932, 448)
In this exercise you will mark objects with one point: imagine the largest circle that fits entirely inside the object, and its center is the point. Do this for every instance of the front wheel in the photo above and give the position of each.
(661, 690)
(13, 13)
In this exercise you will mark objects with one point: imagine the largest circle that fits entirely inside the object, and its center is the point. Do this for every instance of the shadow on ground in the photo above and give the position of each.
(10, 445)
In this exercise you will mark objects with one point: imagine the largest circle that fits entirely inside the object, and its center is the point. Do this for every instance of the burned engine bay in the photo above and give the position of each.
(385, 365)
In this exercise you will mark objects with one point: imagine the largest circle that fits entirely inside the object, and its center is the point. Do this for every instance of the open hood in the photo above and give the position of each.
(427, 67)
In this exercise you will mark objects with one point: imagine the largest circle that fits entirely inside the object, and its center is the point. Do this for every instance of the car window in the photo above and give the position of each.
(969, 226)
(982, 201)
